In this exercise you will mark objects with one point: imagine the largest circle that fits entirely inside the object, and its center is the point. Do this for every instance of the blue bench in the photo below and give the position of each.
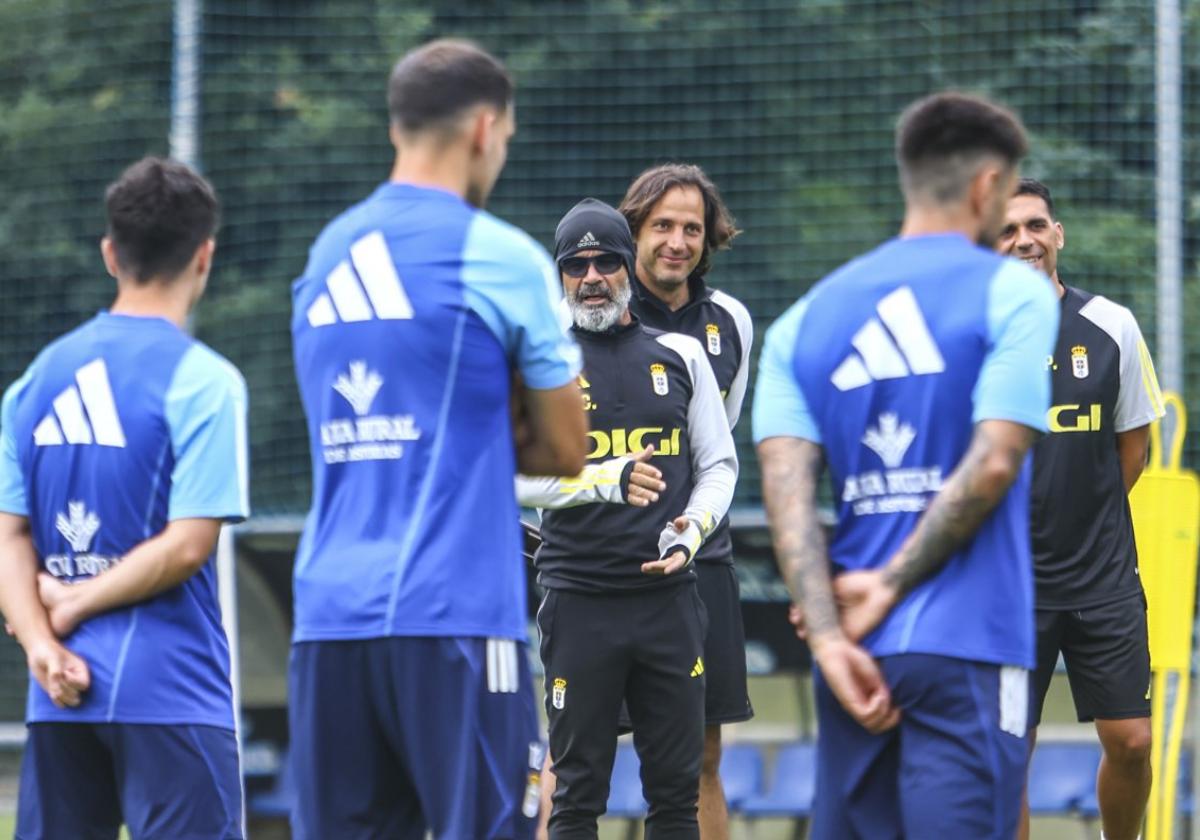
(1062, 780)
(741, 773)
(625, 788)
(741, 776)
(1061, 776)
(792, 788)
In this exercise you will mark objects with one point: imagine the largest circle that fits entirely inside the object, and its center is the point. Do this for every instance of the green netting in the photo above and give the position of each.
(788, 105)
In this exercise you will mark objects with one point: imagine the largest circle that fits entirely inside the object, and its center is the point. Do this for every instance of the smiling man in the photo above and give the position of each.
(679, 221)
(1089, 599)
(622, 619)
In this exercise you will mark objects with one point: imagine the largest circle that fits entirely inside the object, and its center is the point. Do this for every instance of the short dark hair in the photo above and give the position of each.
(432, 85)
(1032, 186)
(942, 139)
(648, 189)
(159, 212)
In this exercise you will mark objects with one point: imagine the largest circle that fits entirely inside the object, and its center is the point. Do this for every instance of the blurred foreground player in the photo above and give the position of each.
(1089, 598)
(122, 450)
(411, 706)
(621, 619)
(916, 372)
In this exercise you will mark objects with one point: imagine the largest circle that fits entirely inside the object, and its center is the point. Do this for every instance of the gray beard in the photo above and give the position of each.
(599, 318)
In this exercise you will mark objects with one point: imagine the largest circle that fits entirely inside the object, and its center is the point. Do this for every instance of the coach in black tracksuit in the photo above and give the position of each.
(1090, 604)
(622, 619)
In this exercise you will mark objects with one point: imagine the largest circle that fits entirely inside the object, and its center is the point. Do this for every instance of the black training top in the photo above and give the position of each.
(723, 327)
(641, 386)
(1103, 384)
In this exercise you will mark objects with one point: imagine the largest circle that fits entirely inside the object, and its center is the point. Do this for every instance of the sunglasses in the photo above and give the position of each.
(578, 266)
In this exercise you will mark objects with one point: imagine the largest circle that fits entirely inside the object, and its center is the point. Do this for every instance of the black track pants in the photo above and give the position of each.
(642, 647)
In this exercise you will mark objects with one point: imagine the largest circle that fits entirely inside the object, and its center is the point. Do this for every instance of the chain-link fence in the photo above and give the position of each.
(789, 106)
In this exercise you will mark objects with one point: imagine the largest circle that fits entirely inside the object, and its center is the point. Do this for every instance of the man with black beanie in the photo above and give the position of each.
(621, 620)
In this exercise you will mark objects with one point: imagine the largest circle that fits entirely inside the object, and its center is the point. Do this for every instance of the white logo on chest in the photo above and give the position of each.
(78, 527)
(359, 388)
(890, 440)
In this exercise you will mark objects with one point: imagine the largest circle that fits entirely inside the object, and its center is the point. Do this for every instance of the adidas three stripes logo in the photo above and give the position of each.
(362, 288)
(84, 413)
(894, 345)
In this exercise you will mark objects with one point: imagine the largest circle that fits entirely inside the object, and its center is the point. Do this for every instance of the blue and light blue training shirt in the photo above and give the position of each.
(119, 427)
(888, 364)
(411, 316)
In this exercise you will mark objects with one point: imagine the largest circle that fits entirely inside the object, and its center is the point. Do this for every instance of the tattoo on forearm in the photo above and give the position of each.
(791, 469)
(969, 495)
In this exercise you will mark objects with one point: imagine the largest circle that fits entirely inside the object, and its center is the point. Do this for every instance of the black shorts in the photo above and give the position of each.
(726, 698)
(1107, 652)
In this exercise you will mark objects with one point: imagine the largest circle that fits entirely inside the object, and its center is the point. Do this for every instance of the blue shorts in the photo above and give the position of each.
(165, 782)
(950, 769)
(397, 737)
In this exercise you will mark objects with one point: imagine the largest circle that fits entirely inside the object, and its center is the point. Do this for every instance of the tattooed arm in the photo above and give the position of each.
(791, 468)
(978, 484)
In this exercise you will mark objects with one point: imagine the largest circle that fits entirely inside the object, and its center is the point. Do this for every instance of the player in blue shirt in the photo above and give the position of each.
(916, 373)
(411, 705)
(122, 450)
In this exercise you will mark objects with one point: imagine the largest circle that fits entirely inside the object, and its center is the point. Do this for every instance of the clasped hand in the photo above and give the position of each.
(863, 598)
(62, 674)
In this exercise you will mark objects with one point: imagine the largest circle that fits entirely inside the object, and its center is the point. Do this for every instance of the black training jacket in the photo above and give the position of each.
(723, 327)
(640, 386)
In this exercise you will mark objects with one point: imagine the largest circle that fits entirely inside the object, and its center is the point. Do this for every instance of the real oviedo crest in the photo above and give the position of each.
(714, 339)
(1079, 362)
(658, 376)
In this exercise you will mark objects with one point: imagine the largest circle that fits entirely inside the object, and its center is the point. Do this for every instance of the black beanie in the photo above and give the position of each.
(591, 225)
